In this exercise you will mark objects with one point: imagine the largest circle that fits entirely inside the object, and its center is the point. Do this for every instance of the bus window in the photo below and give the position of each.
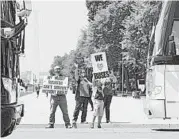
(172, 47)
(175, 32)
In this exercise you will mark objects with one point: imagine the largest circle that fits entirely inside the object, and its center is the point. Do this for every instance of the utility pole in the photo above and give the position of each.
(122, 77)
(122, 73)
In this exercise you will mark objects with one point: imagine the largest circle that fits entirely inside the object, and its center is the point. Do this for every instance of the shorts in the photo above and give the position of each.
(98, 107)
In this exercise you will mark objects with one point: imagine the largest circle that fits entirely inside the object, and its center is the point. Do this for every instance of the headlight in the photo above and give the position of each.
(11, 90)
(157, 90)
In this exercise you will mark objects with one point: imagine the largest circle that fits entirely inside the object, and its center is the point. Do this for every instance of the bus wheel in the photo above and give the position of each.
(7, 132)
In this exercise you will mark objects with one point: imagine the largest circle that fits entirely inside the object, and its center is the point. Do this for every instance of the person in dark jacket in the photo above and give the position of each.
(108, 94)
(81, 97)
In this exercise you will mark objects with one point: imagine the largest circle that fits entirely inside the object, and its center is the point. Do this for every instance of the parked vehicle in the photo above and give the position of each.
(12, 46)
(162, 91)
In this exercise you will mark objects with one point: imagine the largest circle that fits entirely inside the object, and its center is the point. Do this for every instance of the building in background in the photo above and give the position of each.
(42, 75)
(30, 79)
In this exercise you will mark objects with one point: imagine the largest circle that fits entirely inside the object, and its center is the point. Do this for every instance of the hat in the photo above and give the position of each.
(57, 67)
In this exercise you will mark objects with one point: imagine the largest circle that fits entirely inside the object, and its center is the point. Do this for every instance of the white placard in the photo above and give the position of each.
(100, 67)
(55, 85)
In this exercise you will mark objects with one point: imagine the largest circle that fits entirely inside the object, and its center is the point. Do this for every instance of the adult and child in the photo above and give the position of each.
(102, 100)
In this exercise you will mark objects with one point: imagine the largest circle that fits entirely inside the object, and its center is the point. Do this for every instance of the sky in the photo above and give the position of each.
(53, 29)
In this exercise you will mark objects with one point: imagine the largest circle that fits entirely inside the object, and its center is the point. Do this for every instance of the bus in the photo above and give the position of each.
(12, 46)
(162, 78)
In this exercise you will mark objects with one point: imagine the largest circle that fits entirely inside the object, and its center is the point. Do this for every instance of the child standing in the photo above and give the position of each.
(98, 105)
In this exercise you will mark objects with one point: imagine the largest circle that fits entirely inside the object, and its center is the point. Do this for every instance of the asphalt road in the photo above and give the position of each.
(86, 133)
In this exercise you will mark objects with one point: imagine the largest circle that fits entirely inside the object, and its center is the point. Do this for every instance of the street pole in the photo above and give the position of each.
(122, 79)
(122, 73)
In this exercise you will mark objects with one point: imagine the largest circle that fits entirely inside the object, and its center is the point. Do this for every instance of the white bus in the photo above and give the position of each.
(162, 80)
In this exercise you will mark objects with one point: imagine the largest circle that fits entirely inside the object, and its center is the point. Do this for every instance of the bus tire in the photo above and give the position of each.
(7, 132)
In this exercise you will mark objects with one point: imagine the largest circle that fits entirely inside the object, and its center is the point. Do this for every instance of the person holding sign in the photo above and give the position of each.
(58, 99)
(98, 104)
(81, 97)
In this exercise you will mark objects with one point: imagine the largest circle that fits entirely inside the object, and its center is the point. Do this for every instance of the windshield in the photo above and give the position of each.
(164, 28)
(175, 33)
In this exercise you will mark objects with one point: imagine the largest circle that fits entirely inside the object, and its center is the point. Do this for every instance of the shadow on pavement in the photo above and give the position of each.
(25, 94)
(167, 130)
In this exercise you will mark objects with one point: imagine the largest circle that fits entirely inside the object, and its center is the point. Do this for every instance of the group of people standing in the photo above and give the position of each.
(102, 99)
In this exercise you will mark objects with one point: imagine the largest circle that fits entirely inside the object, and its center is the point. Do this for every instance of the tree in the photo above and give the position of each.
(94, 6)
(137, 33)
(106, 31)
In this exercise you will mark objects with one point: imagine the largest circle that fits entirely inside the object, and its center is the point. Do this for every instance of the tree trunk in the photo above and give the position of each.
(127, 79)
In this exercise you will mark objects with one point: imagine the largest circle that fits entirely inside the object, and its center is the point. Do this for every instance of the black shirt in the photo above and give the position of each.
(99, 95)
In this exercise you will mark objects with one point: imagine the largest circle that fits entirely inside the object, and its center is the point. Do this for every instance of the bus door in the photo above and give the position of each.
(172, 90)
(172, 69)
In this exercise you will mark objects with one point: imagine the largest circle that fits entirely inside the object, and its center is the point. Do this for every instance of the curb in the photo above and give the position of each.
(104, 125)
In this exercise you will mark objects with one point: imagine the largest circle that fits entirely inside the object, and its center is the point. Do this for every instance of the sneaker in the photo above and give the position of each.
(84, 122)
(92, 125)
(99, 126)
(74, 124)
(108, 121)
(50, 126)
(68, 126)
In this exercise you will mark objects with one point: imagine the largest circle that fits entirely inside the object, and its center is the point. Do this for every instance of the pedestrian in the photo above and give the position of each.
(82, 97)
(37, 90)
(58, 100)
(108, 94)
(98, 105)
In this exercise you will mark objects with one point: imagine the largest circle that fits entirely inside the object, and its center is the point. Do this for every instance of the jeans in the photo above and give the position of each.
(62, 103)
(81, 102)
(91, 102)
(107, 103)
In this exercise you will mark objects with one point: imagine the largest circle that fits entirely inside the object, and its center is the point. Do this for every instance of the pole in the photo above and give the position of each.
(122, 78)
(122, 73)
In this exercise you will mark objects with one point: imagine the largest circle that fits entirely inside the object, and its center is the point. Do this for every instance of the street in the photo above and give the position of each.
(127, 116)
(125, 110)
(81, 133)
(129, 49)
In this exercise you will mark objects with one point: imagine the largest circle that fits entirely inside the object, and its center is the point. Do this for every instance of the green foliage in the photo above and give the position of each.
(119, 28)
(94, 6)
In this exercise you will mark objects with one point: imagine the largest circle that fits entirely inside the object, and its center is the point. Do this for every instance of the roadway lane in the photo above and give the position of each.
(118, 133)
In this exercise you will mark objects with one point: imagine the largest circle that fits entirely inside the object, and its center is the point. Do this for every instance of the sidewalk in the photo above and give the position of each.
(124, 112)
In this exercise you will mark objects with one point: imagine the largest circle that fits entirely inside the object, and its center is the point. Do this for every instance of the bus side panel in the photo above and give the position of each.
(155, 97)
(155, 81)
(172, 91)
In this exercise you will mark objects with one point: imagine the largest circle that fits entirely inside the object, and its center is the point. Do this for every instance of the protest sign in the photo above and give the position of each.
(55, 85)
(99, 64)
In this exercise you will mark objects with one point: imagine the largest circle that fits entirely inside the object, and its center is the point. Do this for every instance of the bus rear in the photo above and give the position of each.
(162, 80)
